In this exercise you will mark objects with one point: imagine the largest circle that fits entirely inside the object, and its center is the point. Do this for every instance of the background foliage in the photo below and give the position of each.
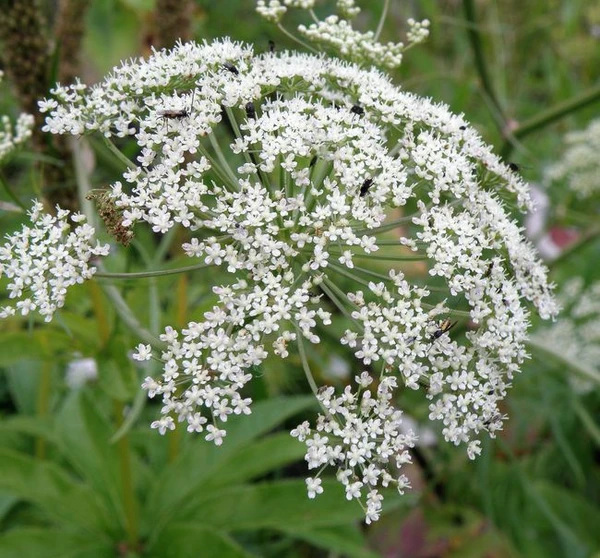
(81, 474)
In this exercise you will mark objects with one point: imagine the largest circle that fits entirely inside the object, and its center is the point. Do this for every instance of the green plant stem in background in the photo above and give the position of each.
(146, 274)
(584, 371)
(129, 318)
(43, 401)
(549, 116)
(586, 239)
(384, 11)
(129, 501)
(477, 48)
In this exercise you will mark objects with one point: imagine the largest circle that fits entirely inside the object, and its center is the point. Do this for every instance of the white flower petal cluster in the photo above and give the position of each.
(579, 166)
(80, 372)
(576, 333)
(362, 48)
(362, 436)
(44, 260)
(284, 169)
(13, 136)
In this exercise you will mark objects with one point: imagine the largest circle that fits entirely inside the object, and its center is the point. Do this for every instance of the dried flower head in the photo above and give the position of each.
(334, 174)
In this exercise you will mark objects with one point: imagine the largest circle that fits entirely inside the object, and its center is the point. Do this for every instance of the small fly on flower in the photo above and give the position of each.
(357, 109)
(444, 327)
(250, 110)
(177, 114)
(365, 187)
(231, 68)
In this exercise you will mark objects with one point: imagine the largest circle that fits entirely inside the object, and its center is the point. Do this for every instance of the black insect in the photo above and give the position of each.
(231, 68)
(365, 187)
(313, 161)
(177, 114)
(271, 46)
(463, 128)
(444, 327)
(250, 110)
(174, 114)
(357, 109)
(488, 271)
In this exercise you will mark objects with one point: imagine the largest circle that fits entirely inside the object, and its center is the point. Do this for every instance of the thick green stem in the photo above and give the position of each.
(551, 115)
(43, 404)
(145, 274)
(129, 501)
(129, 318)
(477, 48)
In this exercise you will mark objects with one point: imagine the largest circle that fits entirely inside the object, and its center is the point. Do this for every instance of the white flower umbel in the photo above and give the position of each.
(335, 32)
(13, 136)
(579, 166)
(297, 174)
(44, 260)
(361, 435)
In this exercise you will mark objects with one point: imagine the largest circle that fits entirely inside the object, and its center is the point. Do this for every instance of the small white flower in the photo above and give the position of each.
(314, 487)
(143, 352)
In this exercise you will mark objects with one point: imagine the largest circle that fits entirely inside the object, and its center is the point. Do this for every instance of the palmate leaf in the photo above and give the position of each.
(52, 543)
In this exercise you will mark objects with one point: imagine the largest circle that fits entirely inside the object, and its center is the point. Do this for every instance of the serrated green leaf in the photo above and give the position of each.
(52, 543)
(183, 540)
(53, 490)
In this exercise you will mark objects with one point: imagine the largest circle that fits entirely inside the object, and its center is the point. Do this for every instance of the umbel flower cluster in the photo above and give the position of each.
(14, 135)
(44, 260)
(300, 175)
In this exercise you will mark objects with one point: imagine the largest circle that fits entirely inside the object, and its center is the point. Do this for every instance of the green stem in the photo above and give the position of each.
(83, 181)
(477, 48)
(144, 274)
(296, 39)
(306, 367)
(384, 12)
(117, 153)
(129, 318)
(551, 115)
(586, 239)
(129, 501)
(43, 404)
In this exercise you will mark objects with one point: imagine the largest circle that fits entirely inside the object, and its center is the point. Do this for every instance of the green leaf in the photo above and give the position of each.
(200, 460)
(84, 439)
(581, 515)
(19, 345)
(53, 490)
(251, 461)
(23, 381)
(182, 540)
(7, 501)
(276, 505)
(52, 543)
(116, 373)
(342, 539)
(32, 426)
